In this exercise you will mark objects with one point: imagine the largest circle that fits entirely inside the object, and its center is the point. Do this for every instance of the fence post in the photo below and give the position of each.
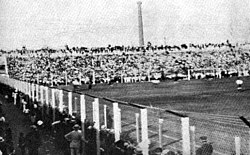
(37, 92)
(83, 117)
(220, 74)
(83, 108)
(192, 130)
(93, 77)
(185, 136)
(60, 100)
(105, 114)
(160, 132)
(47, 99)
(144, 127)
(237, 145)
(116, 121)
(33, 92)
(53, 103)
(137, 127)
(42, 99)
(96, 119)
(70, 103)
(119, 118)
(41, 94)
(189, 75)
(29, 90)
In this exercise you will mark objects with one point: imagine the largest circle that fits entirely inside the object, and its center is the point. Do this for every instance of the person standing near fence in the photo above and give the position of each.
(206, 148)
(75, 138)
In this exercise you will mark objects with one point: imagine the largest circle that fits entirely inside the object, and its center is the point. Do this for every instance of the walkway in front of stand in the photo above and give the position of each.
(19, 123)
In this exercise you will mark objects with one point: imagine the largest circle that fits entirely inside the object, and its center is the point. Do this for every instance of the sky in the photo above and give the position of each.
(94, 23)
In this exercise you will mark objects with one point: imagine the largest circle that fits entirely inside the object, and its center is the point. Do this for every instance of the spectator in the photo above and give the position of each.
(33, 141)
(90, 135)
(75, 138)
(128, 148)
(206, 148)
(62, 128)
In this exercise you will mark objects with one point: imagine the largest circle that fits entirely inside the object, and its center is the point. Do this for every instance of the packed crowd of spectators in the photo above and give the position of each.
(107, 64)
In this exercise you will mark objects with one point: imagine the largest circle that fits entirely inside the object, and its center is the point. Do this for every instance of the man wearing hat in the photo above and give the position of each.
(75, 138)
(206, 148)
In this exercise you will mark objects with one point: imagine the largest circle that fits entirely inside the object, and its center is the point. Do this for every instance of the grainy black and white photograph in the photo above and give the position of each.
(124, 77)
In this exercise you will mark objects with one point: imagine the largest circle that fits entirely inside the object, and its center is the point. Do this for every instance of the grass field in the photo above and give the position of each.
(218, 96)
(214, 107)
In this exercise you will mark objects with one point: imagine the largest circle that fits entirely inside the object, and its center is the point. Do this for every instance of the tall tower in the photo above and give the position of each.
(140, 25)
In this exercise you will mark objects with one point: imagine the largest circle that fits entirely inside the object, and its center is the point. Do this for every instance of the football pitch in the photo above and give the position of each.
(213, 106)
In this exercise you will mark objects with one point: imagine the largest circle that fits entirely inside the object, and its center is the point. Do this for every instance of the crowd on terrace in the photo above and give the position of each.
(114, 63)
